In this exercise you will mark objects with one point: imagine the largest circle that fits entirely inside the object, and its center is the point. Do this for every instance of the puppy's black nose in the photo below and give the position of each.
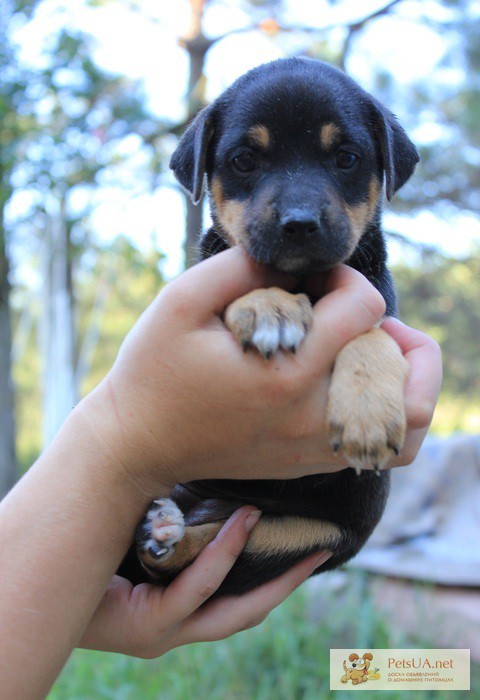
(300, 222)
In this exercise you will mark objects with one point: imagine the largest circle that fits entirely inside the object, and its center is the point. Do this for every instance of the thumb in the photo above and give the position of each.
(352, 306)
(209, 287)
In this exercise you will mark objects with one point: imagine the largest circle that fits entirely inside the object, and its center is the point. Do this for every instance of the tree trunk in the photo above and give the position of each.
(58, 330)
(197, 45)
(8, 466)
(193, 229)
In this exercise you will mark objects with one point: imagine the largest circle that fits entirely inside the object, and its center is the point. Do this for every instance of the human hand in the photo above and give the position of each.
(423, 384)
(184, 402)
(147, 620)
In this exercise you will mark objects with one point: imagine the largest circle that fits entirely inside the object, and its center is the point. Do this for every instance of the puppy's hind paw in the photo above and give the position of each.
(159, 532)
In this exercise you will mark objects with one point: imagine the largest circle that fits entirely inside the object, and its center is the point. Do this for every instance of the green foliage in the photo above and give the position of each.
(285, 658)
(114, 287)
(131, 281)
(62, 126)
(448, 174)
(28, 404)
(441, 297)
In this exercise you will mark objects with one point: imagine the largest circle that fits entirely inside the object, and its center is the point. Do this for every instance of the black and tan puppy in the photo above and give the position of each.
(297, 157)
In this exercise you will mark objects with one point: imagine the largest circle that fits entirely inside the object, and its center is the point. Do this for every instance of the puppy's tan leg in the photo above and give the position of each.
(290, 533)
(366, 414)
(270, 319)
(271, 536)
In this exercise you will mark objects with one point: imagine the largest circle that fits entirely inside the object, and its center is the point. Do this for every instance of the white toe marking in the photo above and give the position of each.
(164, 523)
(167, 533)
(266, 338)
(291, 335)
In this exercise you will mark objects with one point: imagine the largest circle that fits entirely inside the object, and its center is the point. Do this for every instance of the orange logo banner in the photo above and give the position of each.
(405, 669)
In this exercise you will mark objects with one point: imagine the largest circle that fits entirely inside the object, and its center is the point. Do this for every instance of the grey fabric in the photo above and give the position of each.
(431, 527)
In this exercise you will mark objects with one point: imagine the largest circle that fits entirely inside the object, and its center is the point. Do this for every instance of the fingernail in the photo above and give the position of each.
(322, 558)
(314, 563)
(252, 519)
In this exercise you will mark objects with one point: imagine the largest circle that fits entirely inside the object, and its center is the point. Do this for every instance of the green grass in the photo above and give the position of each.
(286, 658)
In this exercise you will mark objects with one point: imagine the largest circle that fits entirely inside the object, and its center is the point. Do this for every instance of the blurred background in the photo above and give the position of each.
(93, 97)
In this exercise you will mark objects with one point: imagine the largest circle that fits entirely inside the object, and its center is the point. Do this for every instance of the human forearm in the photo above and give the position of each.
(63, 531)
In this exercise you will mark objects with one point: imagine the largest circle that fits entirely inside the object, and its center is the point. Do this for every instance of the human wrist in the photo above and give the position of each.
(119, 454)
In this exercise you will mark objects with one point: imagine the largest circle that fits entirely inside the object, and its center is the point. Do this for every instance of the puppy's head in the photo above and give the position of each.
(296, 155)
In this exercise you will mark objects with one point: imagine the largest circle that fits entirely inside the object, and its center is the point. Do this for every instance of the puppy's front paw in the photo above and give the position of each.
(366, 415)
(159, 532)
(270, 319)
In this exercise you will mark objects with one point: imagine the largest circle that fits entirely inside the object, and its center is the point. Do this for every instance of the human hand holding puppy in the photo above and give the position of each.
(181, 402)
(124, 622)
(184, 402)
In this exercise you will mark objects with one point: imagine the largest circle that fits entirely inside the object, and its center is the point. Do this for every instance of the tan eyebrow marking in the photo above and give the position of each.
(260, 136)
(328, 133)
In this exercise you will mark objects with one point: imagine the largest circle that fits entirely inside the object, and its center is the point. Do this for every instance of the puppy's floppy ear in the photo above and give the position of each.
(189, 159)
(399, 155)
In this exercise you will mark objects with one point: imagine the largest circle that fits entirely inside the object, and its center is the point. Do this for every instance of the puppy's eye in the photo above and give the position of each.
(244, 162)
(345, 159)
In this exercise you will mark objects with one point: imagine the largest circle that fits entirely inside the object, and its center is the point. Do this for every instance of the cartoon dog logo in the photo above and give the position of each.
(358, 671)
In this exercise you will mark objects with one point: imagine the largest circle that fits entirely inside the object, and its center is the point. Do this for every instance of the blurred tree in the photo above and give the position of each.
(451, 162)
(12, 84)
(112, 291)
(440, 296)
(7, 422)
(84, 117)
(196, 45)
(440, 112)
(128, 280)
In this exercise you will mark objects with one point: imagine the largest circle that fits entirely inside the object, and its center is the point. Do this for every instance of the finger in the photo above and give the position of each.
(350, 307)
(193, 586)
(106, 628)
(225, 616)
(209, 287)
(425, 377)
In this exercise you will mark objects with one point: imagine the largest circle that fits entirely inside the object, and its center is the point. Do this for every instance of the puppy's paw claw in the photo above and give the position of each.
(157, 552)
(367, 436)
